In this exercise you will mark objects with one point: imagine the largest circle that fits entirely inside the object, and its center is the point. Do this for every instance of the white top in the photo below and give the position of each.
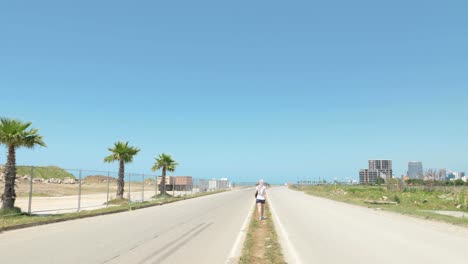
(261, 192)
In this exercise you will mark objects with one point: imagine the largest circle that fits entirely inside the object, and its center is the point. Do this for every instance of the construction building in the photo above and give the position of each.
(377, 168)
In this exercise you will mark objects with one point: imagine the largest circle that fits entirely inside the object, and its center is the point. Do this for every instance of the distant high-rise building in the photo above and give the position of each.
(415, 169)
(384, 167)
(442, 174)
(377, 168)
(380, 164)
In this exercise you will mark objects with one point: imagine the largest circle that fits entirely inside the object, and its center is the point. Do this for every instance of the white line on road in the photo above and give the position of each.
(237, 247)
(289, 251)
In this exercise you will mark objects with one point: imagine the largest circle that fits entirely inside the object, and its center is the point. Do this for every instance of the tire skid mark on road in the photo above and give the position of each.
(202, 214)
(112, 258)
(142, 242)
(170, 228)
(169, 250)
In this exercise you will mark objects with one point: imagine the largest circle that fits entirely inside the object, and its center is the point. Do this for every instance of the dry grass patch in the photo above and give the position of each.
(418, 203)
(261, 245)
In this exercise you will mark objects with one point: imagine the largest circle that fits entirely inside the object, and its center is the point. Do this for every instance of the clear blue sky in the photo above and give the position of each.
(280, 90)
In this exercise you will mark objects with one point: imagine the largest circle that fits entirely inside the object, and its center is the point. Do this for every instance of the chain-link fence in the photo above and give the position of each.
(52, 190)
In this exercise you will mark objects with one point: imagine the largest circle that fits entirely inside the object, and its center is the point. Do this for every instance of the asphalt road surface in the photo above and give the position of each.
(202, 230)
(318, 230)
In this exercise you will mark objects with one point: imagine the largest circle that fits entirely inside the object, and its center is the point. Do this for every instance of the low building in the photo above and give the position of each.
(169, 180)
(182, 183)
(212, 184)
(183, 180)
(223, 183)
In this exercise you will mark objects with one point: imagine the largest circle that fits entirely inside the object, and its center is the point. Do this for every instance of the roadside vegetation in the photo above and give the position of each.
(46, 172)
(164, 163)
(123, 153)
(261, 245)
(15, 134)
(13, 218)
(420, 201)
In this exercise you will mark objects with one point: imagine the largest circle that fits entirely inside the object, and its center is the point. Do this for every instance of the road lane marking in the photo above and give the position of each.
(237, 247)
(289, 250)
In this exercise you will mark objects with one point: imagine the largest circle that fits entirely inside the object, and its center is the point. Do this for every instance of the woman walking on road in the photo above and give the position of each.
(261, 197)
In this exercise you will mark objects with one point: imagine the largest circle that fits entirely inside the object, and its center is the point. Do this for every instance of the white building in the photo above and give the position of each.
(212, 184)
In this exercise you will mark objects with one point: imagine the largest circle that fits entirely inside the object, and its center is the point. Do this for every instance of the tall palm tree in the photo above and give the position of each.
(166, 163)
(123, 153)
(15, 134)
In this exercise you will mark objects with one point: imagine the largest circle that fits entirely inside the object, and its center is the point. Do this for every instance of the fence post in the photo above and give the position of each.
(30, 189)
(156, 186)
(143, 188)
(79, 192)
(107, 190)
(129, 189)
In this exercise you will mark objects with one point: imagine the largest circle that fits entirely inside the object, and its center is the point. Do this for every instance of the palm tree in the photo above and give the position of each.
(166, 163)
(123, 153)
(15, 134)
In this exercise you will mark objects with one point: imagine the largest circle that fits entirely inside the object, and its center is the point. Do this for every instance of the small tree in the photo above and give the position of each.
(379, 180)
(165, 163)
(15, 134)
(123, 153)
(429, 177)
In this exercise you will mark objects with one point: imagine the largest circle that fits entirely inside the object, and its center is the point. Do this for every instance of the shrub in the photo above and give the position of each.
(10, 212)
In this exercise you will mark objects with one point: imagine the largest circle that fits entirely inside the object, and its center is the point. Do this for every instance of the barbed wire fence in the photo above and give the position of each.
(42, 190)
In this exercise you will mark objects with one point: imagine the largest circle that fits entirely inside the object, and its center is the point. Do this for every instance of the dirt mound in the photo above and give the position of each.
(98, 179)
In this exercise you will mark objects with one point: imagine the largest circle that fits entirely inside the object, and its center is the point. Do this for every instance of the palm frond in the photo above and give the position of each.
(15, 133)
(164, 161)
(121, 152)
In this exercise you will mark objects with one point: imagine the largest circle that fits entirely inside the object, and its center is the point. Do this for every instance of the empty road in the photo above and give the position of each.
(200, 230)
(318, 230)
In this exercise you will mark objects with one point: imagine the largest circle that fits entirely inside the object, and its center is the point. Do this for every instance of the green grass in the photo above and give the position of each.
(118, 202)
(410, 202)
(161, 196)
(10, 212)
(44, 172)
(19, 219)
(273, 252)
